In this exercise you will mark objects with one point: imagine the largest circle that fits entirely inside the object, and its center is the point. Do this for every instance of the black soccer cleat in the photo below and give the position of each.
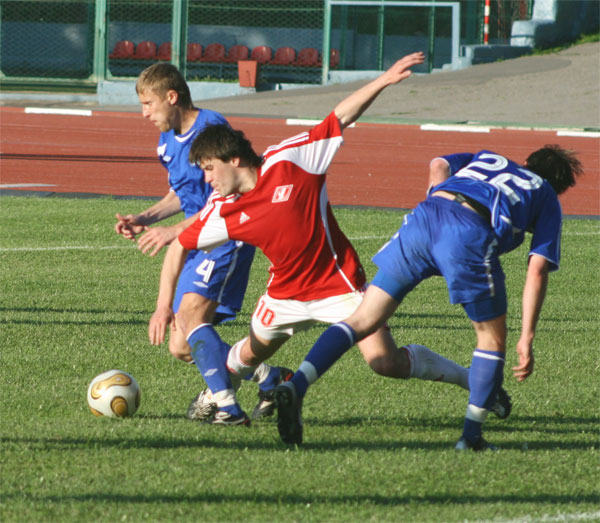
(289, 414)
(503, 405)
(266, 401)
(477, 446)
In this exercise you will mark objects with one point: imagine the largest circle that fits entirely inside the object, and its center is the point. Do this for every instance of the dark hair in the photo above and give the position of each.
(222, 142)
(558, 166)
(161, 78)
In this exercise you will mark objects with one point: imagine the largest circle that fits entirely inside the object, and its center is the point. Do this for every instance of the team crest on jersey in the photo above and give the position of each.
(161, 151)
(282, 193)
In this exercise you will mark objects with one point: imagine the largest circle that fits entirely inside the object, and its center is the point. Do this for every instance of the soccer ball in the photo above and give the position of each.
(114, 394)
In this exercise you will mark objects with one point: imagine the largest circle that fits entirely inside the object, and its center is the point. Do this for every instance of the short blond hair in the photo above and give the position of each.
(162, 77)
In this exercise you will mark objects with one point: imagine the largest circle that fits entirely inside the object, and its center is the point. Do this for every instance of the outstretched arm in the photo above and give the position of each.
(157, 237)
(130, 225)
(534, 293)
(350, 109)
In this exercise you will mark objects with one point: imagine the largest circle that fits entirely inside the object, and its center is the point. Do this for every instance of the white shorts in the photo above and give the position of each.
(274, 319)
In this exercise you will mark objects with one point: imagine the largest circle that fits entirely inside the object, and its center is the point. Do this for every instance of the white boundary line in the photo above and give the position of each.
(581, 516)
(49, 110)
(65, 248)
(110, 247)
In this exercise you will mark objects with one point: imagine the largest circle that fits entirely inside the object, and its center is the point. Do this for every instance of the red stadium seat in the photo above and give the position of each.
(164, 51)
(262, 54)
(213, 53)
(334, 59)
(307, 57)
(194, 52)
(284, 56)
(237, 53)
(145, 51)
(123, 49)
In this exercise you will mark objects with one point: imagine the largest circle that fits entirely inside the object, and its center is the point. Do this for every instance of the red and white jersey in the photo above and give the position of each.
(288, 216)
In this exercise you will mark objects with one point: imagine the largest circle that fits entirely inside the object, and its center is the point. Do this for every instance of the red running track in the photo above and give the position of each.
(378, 166)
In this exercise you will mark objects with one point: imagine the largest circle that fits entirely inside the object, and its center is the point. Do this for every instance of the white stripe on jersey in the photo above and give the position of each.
(313, 157)
(323, 201)
(231, 268)
(302, 137)
(214, 229)
(209, 205)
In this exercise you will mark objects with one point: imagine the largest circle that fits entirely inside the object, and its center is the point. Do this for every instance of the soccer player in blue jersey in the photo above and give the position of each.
(211, 287)
(478, 207)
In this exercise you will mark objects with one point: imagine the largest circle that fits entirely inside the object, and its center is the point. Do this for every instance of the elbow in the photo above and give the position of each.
(439, 170)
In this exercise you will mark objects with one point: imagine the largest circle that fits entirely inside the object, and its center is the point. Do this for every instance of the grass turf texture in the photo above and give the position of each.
(75, 302)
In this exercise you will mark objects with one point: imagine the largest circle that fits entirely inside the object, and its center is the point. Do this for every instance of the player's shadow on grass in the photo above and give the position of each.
(65, 316)
(140, 317)
(550, 424)
(356, 435)
(55, 310)
(73, 322)
(209, 497)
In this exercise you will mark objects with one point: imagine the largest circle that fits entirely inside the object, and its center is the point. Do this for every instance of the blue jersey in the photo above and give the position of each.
(518, 200)
(187, 180)
(222, 274)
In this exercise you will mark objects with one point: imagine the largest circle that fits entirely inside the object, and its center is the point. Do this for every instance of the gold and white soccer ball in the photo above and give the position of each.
(114, 393)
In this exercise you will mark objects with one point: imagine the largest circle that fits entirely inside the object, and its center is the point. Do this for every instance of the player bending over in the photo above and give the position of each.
(479, 206)
(278, 202)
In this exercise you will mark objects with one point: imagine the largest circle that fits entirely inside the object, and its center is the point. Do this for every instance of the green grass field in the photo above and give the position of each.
(76, 299)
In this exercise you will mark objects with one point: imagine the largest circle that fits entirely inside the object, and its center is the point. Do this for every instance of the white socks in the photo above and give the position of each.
(428, 365)
(234, 363)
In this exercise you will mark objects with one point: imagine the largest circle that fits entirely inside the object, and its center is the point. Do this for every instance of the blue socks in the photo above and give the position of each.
(329, 348)
(210, 355)
(485, 379)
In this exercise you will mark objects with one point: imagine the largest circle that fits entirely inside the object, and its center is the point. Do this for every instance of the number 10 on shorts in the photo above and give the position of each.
(264, 314)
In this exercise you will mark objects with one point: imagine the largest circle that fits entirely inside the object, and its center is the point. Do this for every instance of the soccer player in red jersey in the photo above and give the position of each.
(278, 202)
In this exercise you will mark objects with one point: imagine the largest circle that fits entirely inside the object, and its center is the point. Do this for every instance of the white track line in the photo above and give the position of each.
(24, 185)
(579, 134)
(49, 110)
(456, 128)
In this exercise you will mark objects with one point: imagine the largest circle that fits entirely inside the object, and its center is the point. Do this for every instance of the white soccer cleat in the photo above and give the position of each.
(203, 407)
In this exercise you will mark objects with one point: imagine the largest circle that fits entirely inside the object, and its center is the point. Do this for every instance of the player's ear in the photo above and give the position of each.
(172, 97)
(235, 161)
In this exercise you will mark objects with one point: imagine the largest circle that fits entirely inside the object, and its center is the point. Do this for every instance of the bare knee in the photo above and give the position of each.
(195, 310)
(364, 325)
(383, 356)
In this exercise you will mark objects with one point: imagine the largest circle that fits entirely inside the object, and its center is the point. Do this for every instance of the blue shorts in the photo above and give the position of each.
(443, 238)
(220, 275)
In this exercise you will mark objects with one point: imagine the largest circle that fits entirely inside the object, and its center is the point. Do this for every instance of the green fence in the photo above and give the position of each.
(295, 41)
